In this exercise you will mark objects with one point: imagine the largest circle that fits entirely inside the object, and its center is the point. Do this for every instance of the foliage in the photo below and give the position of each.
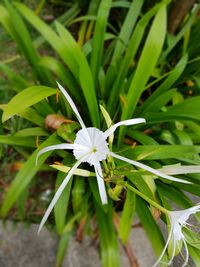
(134, 70)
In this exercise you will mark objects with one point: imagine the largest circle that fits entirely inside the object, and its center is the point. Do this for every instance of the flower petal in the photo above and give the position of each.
(111, 130)
(58, 193)
(149, 169)
(54, 147)
(70, 101)
(101, 184)
(187, 254)
(173, 251)
(164, 249)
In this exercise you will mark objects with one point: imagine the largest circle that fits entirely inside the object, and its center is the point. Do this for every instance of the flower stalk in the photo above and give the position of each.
(150, 201)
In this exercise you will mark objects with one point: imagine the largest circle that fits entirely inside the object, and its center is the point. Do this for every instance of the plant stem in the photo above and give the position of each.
(146, 198)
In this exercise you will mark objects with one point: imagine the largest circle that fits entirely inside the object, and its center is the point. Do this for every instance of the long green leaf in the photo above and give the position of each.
(151, 227)
(34, 131)
(25, 175)
(146, 64)
(18, 141)
(152, 152)
(61, 206)
(187, 110)
(32, 115)
(122, 40)
(18, 82)
(108, 238)
(85, 76)
(166, 85)
(181, 33)
(63, 74)
(25, 99)
(65, 46)
(50, 35)
(127, 216)
(194, 253)
(127, 27)
(124, 64)
(158, 103)
(98, 37)
(22, 37)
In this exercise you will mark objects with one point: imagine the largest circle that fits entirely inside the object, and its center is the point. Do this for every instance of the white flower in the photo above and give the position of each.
(90, 146)
(178, 220)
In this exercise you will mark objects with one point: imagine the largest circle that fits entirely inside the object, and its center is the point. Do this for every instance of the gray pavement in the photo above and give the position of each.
(22, 247)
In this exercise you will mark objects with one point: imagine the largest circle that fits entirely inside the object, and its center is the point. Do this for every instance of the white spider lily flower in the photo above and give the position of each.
(91, 146)
(178, 220)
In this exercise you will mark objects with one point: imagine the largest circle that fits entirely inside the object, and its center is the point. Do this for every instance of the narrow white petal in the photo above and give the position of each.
(54, 147)
(149, 169)
(70, 101)
(164, 249)
(173, 251)
(111, 130)
(101, 184)
(58, 193)
(187, 254)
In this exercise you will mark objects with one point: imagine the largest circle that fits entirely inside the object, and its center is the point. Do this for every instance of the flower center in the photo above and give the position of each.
(92, 144)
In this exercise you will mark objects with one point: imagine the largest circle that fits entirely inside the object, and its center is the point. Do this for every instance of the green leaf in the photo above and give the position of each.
(35, 131)
(25, 175)
(126, 29)
(174, 194)
(123, 40)
(18, 82)
(78, 194)
(50, 35)
(32, 115)
(63, 74)
(21, 204)
(98, 37)
(156, 104)
(25, 99)
(181, 33)
(151, 228)
(127, 216)
(60, 209)
(186, 110)
(108, 238)
(18, 141)
(151, 152)
(64, 240)
(71, 54)
(192, 238)
(173, 75)
(147, 187)
(146, 64)
(192, 188)
(4, 19)
(19, 32)
(194, 253)
(84, 73)
(62, 247)
(141, 137)
(79, 172)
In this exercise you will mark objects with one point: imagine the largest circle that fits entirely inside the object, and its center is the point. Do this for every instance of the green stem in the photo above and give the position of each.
(105, 166)
(147, 198)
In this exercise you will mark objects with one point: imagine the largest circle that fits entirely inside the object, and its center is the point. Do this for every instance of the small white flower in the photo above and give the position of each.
(178, 220)
(90, 146)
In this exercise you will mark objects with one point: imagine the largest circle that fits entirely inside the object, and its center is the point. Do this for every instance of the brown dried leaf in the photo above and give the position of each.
(53, 121)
